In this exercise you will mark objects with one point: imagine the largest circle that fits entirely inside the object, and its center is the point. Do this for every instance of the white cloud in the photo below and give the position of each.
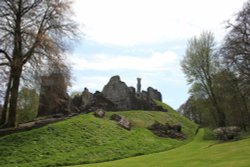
(91, 82)
(136, 22)
(128, 22)
(99, 62)
(155, 70)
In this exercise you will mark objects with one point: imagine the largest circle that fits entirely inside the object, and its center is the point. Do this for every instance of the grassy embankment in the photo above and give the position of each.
(198, 153)
(86, 139)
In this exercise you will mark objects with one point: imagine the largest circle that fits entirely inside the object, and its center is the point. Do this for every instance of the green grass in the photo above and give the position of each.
(86, 139)
(198, 153)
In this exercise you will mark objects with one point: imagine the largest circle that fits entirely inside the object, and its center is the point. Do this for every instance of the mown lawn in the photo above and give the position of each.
(198, 153)
(87, 139)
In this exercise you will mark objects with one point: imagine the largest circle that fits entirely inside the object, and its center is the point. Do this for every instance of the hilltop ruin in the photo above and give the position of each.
(115, 96)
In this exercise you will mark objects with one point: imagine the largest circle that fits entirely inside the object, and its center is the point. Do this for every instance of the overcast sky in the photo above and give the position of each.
(143, 38)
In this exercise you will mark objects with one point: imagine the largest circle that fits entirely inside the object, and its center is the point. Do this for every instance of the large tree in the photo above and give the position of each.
(236, 48)
(235, 53)
(32, 32)
(199, 68)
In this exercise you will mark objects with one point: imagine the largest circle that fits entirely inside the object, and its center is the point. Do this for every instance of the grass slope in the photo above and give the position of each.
(198, 153)
(86, 139)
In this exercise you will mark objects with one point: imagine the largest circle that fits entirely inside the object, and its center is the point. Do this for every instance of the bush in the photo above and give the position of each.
(209, 134)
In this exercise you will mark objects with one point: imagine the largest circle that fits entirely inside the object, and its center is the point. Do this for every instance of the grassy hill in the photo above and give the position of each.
(86, 139)
(198, 153)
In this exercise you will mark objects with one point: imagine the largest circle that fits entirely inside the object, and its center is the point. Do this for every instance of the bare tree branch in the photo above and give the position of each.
(6, 55)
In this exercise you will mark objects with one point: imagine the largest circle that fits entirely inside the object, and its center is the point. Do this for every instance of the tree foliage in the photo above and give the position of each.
(236, 48)
(231, 98)
(199, 68)
(28, 101)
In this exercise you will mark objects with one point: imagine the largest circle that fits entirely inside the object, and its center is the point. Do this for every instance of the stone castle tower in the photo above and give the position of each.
(53, 95)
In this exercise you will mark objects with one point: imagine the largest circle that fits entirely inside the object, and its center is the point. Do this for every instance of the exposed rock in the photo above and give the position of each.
(122, 121)
(53, 96)
(116, 117)
(227, 133)
(125, 123)
(99, 113)
(177, 128)
(172, 131)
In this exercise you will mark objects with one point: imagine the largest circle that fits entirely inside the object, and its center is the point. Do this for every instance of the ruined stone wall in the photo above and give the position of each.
(127, 98)
(118, 92)
(154, 94)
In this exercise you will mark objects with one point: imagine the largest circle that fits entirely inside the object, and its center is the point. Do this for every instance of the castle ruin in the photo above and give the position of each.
(115, 96)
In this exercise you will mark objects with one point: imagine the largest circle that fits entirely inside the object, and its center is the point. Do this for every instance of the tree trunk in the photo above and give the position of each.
(16, 74)
(221, 118)
(221, 115)
(245, 117)
(245, 112)
(16, 66)
(6, 103)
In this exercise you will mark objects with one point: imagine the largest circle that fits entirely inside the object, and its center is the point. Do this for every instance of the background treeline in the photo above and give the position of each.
(220, 75)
